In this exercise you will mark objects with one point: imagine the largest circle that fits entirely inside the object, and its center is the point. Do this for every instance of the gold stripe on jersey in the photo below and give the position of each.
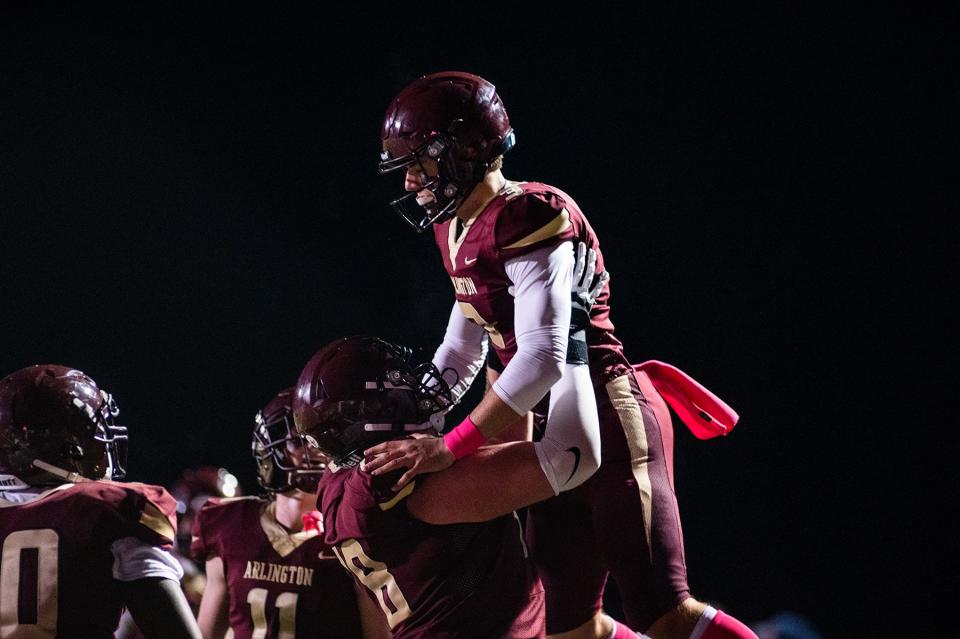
(511, 190)
(453, 242)
(404, 492)
(282, 541)
(631, 419)
(556, 226)
(152, 518)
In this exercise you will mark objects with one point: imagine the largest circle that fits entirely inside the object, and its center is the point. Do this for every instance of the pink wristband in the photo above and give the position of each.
(465, 439)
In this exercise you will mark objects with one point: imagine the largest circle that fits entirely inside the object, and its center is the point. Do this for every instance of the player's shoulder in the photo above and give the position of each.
(221, 521)
(121, 496)
(532, 214)
(142, 510)
(363, 490)
(221, 511)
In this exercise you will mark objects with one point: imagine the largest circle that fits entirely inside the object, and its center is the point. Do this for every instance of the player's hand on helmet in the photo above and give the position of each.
(587, 286)
(421, 454)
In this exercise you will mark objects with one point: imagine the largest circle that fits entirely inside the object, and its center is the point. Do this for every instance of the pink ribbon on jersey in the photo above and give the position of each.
(313, 520)
(705, 414)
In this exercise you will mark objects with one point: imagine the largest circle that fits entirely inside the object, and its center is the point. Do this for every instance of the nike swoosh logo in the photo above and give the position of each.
(576, 461)
(467, 261)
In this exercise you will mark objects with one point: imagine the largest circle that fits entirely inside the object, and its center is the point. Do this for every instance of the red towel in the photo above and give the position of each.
(705, 414)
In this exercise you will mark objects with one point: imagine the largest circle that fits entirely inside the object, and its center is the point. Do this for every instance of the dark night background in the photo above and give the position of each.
(190, 208)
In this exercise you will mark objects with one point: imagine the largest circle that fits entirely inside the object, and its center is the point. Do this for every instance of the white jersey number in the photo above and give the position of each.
(28, 585)
(374, 575)
(286, 604)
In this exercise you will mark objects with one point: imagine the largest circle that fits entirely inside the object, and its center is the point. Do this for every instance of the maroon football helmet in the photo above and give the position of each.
(284, 460)
(454, 118)
(360, 391)
(56, 424)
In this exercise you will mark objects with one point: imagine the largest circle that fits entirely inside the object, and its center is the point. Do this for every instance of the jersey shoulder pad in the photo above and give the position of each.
(218, 521)
(533, 216)
(144, 511)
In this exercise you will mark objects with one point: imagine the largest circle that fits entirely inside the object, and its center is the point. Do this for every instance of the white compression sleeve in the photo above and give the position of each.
(569, 452)
(541, 322)
(570, 449)
(135, 559)
(464, 349)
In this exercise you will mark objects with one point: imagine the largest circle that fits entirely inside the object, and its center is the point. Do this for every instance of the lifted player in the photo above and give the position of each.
(269, 573)
(77, 548)
(441, 559)
(506, 246)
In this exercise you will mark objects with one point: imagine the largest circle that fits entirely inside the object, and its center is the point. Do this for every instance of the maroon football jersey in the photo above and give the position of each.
(523, 217)
(281, 585)
(443, 582)
(56, 571)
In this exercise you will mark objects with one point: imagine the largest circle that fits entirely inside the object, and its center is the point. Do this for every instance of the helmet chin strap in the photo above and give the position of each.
(62, 473)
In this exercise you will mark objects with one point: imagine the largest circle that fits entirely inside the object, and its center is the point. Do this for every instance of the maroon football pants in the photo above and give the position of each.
(623, 521)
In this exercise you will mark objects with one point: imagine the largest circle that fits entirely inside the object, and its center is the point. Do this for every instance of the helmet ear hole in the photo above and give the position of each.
(72, 451)
(435, 148)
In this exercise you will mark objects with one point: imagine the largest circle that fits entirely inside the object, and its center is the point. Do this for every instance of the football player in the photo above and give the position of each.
(269, 573)
(78, 547)
(506, 246)
(441, 558)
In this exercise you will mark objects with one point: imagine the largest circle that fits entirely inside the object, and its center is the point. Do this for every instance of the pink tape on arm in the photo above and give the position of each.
(465, 439)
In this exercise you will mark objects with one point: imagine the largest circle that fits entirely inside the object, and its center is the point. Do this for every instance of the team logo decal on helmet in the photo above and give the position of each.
(359, 391)
(454, 118)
